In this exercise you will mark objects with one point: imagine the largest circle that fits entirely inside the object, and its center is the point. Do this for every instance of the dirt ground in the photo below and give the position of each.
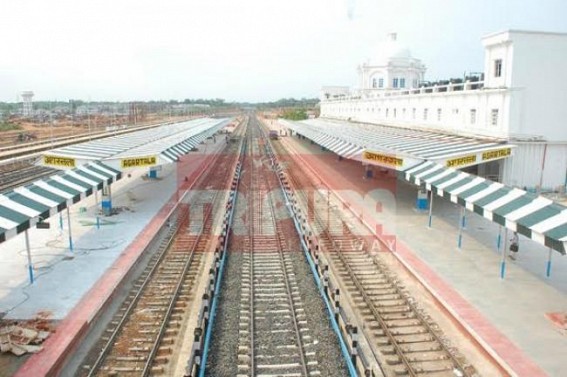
(33, 131)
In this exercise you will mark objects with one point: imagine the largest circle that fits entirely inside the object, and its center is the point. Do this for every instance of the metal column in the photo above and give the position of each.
(70, 234)
(499, 239)
(30, 265)
(548, 269)
(462, 222)
(430, 209)
(504, 253)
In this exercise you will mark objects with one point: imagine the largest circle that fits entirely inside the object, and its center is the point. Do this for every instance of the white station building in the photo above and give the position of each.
(521, 99)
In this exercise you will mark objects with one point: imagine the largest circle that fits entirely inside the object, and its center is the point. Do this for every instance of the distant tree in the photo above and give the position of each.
(294, 114)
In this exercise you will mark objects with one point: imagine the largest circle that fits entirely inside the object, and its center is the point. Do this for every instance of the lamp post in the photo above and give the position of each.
(89, 118)
(51, 123)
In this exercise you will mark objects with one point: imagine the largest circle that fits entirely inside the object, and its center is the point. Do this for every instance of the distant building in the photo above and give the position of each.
(521, 99)
(27, 104)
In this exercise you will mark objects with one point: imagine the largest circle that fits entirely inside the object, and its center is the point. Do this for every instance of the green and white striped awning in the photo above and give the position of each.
(23, 207)
(381, 145)
(533, 216)
(164, 144)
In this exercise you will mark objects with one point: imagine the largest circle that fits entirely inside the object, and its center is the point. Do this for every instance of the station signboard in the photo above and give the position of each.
(382, 159)
(477, 158)
(59, 161)
(136, 162)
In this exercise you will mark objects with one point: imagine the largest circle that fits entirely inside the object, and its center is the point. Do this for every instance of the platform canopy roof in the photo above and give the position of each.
(397, 147)
(533, 216)
(23, 207)
(149, 147)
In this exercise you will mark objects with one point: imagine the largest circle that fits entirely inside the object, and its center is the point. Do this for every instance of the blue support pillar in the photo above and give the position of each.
(30, 265)
(548, 269)
(106, 200)
(461, 227)
(504, 253)
(430, 209)
(70, 233)
(499, 239)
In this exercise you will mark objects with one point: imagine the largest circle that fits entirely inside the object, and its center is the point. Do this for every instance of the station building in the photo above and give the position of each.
(520, 99)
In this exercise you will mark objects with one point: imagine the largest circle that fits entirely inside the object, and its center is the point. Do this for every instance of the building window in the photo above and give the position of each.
(439, 111)
(415, 83)
(380, 82)
(498, 68)
(374, 83)
(424, 114)
(395, 112)
(395, 84)
(402, 82)
(494, 117)
(387, 111)
(413, 111)
(473, 116)
(404, 113)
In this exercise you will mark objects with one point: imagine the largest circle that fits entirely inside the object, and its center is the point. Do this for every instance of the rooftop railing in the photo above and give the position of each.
(386, 93)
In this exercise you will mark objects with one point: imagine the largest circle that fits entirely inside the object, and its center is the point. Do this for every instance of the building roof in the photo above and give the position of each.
(408, 146)
(533, 216)
(23, 207)
(165, 143)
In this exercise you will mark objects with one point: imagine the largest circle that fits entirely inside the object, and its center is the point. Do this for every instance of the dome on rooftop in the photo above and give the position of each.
(390, 50)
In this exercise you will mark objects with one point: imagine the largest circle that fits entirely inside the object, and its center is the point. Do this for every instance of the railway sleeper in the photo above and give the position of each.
(378, 303)
(431, 367)
(160, 360)
(403, 323)
(116, 371)
(415, 338)
(431, 356)
(130, 358)
(408, 330)
(163, 351)
(158, 369)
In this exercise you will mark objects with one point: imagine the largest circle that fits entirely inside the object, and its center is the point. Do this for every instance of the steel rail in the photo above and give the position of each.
(399, 350)
(289, 295)
(141, 290)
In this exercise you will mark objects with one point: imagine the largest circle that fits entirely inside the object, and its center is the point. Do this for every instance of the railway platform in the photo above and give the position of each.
(73, 287)
(508, 317)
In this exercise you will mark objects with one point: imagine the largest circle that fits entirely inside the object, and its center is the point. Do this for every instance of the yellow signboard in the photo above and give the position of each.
(382, 158)
(138, 161)
(59, 161)
(460, 161)
(499, 153)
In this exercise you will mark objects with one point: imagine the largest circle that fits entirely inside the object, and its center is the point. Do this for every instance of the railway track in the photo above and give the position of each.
(16, 175)
(271, 318)
(404, 340)
(270, 301)
(146, 331)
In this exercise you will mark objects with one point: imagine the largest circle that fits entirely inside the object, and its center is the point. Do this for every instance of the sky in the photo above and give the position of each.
(239, 50)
